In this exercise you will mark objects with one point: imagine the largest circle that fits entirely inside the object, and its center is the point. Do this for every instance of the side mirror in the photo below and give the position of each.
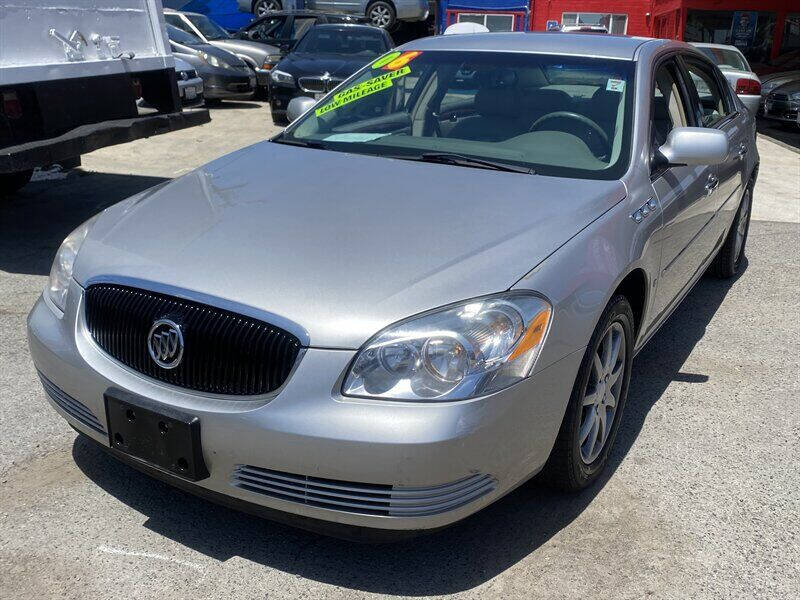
(297, 106)
(694, 146)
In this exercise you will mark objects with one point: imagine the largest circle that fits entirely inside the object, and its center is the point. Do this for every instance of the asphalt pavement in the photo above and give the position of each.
(702, 499)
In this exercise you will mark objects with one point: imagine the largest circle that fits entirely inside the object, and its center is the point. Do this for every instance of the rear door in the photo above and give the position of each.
(685, 193)
(715, 108)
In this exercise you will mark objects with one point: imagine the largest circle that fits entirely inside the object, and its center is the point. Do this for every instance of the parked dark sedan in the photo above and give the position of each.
(225, 77)
(284, 28)
(323, 58)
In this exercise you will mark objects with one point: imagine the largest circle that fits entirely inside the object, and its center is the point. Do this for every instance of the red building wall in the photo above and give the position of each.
(638, 22)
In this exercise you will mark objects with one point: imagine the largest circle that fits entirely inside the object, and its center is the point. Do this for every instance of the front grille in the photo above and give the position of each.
(363, 498)
(239, 87)
(72, 407)
(318, 85)
(224, 352)
(780, 97)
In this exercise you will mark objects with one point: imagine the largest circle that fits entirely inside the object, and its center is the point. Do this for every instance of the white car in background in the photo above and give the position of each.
(737, 71)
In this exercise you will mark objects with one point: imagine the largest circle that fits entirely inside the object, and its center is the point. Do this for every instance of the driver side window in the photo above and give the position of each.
(710, 96)
(267, 29)
(668, 108)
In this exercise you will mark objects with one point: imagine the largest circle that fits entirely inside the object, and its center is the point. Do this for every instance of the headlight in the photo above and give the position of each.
(214, 61)
(459, 352)
(61, 271)
(281, 77)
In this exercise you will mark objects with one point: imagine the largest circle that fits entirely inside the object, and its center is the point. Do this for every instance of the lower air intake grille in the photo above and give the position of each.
(224, 352)
(364, 498)
(72, 407)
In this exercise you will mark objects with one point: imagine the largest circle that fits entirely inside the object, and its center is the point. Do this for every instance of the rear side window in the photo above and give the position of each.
(712, 102)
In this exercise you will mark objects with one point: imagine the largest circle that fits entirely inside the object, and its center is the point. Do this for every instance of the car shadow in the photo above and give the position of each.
(449, 561)
(232, 104)
(35, 220)
(787, 134)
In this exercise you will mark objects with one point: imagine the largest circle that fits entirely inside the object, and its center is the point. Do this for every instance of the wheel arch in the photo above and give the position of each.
(634, 287)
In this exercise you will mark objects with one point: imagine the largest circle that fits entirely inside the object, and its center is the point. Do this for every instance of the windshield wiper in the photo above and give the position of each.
(460, 160)
(303, 143)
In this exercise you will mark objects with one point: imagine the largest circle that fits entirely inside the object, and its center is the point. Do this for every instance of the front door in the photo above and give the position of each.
(686, 193)
(715, 108)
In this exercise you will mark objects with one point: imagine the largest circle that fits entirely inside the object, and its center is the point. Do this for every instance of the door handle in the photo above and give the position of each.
(711, 185)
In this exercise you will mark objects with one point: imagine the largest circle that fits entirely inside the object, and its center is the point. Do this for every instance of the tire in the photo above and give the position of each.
(213, 102)
(382, 14)
(729, 258)
(280, 120)
(262, 7)
(575, 462)
(12, 182)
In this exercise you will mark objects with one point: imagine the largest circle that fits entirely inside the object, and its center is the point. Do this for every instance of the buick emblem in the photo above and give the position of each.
(165, 343)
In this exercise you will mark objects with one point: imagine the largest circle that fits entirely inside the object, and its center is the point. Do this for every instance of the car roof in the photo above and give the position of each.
(554, 42)
(720, 46)
(348, 26)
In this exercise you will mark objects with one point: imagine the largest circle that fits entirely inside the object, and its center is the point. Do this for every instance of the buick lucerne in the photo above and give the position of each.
(427, 289)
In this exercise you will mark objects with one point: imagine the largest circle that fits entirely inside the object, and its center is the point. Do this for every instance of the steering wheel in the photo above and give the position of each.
(584, 120)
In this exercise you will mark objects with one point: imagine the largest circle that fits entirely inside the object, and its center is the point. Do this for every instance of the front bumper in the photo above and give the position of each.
(309, 432)
(281, 95)
(781, 110)
(229, 86)
(191, 91)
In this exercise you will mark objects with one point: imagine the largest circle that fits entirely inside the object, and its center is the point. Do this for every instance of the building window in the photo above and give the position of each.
(492, 22)
(616, 24)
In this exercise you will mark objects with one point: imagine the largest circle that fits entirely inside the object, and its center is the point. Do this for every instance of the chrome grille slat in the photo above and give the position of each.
(72, 407)
(225, 353)
(362, 497)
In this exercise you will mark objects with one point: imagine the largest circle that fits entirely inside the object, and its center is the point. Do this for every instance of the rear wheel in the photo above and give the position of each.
(730, 256)
(595, 408)
(12, 182)
(263, 7)
(382, 14)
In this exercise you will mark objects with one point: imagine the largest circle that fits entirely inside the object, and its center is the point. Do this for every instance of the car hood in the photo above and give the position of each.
(336, 246)
(787, 88)
(337, 65)
(254, 50)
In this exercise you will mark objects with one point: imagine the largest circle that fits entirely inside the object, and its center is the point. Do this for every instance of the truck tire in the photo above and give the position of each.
(11, 182)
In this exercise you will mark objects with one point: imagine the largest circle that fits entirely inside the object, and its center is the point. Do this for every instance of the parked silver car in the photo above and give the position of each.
(258, 56)
(428, 288)
(382, 13)
(737, 71)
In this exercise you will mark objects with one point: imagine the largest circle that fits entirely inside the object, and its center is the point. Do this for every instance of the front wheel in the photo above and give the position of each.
(595, 407)
(730, 256)
(11, 182)
(382, 14)
(263, 7)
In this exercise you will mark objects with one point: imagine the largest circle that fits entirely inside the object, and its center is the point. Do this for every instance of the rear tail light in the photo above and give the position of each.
(748, 87)
(12, 107)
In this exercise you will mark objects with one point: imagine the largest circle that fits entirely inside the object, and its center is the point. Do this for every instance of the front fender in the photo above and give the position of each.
(583, 274)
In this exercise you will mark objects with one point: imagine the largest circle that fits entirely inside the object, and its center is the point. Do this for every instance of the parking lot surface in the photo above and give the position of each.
(701, 501)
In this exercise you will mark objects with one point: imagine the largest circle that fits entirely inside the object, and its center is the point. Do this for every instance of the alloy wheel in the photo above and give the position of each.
(380, 16)
(741, 226)
(269, 6)
(602, 393)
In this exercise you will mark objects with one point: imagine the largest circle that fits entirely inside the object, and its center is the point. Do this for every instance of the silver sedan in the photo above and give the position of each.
(429, 288)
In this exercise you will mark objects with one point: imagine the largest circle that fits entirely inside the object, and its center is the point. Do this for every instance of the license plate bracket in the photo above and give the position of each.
(162, 436)
(191, 93)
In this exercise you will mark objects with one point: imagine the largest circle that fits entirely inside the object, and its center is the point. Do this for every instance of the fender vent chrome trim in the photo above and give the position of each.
(363, 498)
(72, 407)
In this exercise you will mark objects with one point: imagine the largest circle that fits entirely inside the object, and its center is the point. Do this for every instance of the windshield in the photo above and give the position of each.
(557, 115)
(209, 29)
(723, 57)
(330, 40)
(181, 37)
